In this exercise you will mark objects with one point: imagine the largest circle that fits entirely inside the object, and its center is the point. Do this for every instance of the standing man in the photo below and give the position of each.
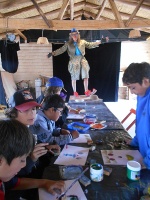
(78, 65)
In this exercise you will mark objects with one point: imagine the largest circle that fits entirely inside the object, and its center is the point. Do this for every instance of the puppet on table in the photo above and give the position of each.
(78, 65)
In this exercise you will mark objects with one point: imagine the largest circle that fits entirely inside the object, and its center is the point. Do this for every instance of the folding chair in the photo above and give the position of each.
(132, 111)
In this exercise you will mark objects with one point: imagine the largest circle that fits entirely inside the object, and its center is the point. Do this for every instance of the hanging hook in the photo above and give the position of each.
(42, 32)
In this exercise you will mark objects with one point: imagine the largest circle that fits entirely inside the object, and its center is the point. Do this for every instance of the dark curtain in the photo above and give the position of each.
(104, 64)
(2, 92)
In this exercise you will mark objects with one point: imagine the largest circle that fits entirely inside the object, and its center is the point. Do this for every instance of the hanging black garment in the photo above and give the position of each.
(2, 92)
(9, 55)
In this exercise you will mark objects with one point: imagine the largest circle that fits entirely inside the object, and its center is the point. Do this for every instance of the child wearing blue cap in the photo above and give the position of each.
(78, 65)
(54, 85)
(55, 81)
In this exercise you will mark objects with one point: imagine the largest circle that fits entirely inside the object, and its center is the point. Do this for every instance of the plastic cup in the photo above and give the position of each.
(96, 172)
(133, 170)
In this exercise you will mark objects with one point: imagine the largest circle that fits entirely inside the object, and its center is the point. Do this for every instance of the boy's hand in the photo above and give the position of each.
(64, 132)
(54, 187)
(55, 147)
(75, 134)
(38, 151)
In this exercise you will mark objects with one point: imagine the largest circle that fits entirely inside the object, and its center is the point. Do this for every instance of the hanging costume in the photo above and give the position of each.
(78, 65)
(9, 55)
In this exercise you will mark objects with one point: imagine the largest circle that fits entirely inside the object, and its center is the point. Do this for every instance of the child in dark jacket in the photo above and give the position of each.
(44, 125)
(19, 142)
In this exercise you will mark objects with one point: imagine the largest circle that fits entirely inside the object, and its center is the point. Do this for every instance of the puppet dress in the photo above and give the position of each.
(78, 65)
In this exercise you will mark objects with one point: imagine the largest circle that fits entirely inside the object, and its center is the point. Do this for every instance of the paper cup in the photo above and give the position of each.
(96, 172)
(133, 170)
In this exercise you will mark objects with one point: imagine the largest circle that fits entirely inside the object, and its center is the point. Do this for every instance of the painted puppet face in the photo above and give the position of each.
(75, 36)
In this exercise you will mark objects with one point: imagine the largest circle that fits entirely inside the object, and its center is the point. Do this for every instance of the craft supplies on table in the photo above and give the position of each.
(80, 127)
(90, 118)
(70, 171)
(72, 155)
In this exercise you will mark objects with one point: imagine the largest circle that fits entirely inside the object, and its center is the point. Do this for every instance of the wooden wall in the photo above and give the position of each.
(33, 62)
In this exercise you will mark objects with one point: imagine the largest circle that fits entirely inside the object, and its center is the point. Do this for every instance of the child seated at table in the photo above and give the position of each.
(16, 142)
(55, 85)
(137, 78)
(23, 107)
(44, 125)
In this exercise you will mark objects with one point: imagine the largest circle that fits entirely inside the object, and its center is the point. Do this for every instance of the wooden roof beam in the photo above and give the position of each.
(77, 17)
(93, 15)
(79, 4)
(71, 9)
(5, 4)
(76, 6)
(101, 9)
(97, 24)
(116, 13)
(145, 30)
(1, 15)
(91, 5)
(47, 14)
(134, 12)
(134, 3)
(29, 8)
(53, 12)
(122, 14)
(21, 34)
(63, 9)
(76, 14)
(12, 23)
(87, 16)
(41, 13)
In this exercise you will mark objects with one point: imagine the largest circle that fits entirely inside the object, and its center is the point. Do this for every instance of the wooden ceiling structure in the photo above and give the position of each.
(19, 15)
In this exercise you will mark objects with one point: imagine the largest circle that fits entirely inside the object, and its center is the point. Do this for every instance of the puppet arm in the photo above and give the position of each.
(49, 55)
(58, 51)
(104, 40)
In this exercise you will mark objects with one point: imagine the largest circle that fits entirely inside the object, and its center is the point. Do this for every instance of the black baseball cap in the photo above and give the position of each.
(23, 100)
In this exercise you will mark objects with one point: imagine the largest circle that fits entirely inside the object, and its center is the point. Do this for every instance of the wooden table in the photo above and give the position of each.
(116, 186)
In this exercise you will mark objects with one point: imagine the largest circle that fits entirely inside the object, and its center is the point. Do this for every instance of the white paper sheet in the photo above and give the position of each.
(83, 138)
(75, 190)
(72, 155)
(120, 157)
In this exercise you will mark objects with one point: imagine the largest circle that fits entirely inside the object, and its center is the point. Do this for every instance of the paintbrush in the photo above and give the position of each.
(63, 194)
